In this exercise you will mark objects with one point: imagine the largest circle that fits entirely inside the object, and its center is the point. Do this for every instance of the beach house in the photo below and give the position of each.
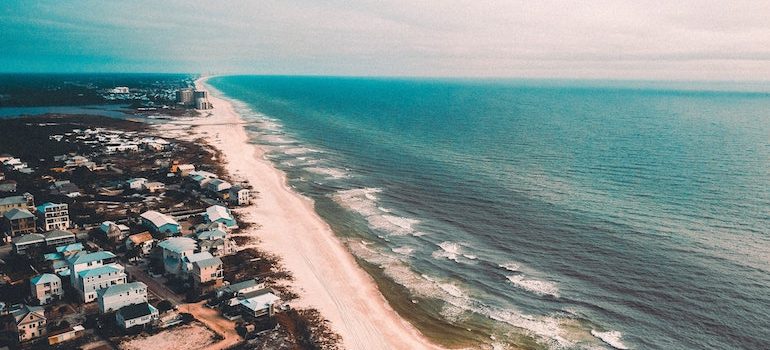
(29, 322)
(240, 195)
(259, 303)
(207, 274)
(175, 249)
(216, 241)
(53, 216)
(220, 214)
(115, 297)
(18, 221)
(160, 223)
(142, 243)
(154, 187)
(23, 243)
(90, 272)
(25, 201)
(59, 238)
(45, 288)
(136, 183)
(114, 233)
(135, 315)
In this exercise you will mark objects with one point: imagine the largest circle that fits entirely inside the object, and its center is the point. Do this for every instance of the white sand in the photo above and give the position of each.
(326, 275)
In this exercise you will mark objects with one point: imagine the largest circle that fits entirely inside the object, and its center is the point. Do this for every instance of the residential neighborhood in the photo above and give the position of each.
(122, 246)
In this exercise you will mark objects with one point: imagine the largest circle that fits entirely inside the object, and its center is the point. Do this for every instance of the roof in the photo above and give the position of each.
(211, 234)
(41, 208)
(202, 264)
(45, 278)
(18, 214)
(103, 270)
(121, 288)
(74, 247)
(158, 219)
(13, 200)
(58, 234)
(178, 244)
(217, 212)
(133, 311)
(25, 310)
(140, 238)
(83, 258)
(260, 301)
(29, 239)
(235, 287)
(198, 257)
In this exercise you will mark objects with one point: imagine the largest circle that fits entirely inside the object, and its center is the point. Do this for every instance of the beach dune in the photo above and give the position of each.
(325, 274)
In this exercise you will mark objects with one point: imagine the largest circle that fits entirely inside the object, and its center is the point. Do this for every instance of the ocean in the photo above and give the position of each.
(538, 214)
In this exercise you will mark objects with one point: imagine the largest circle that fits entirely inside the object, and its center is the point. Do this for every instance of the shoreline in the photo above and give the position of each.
(326, 275)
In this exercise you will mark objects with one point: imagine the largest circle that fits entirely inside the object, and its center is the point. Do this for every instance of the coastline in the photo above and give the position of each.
(326, 276)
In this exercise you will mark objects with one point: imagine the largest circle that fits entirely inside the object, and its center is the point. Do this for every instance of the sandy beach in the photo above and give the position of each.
(326, 274)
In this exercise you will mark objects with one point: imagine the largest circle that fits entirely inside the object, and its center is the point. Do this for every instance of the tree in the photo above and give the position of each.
(164, 305)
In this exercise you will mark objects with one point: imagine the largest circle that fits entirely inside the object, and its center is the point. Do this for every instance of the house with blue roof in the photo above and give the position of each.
(115, 297)
(45, 288)
(222, 215)
(160, 223)
(175, 249)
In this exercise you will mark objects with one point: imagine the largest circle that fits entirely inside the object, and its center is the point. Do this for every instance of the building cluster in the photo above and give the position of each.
(193, 98)
(11, 163)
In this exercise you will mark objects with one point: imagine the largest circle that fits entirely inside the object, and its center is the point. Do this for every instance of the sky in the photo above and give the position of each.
(599, 39)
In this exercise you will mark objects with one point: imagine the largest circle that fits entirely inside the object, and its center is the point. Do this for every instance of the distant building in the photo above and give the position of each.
(71, 333)
(52, 216)
(141, 241)
(160, 223)
(23, 243)
(216, 241)
(259, 303)
(185, 97)
(202, 103)
(59, 238)
(91, 272)
(18, 221)
(45, 288)
(175, 249)
(184, 169)
(115, 233)
(220, 214)
(218, 185)
(119, 90)
(153, 187)
(7, 186)
(136, 183)
(115, 297)
(25, 201)
(207, 274)
(240, 195)
(29, 322)
(136, 315)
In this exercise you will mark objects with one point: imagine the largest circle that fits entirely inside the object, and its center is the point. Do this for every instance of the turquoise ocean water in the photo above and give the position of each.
(538, 214)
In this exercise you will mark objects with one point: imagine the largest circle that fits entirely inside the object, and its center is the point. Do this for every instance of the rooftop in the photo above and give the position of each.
(13, 200)
(18, 214)
(29, 238)
(45, 278)
(140, 238)
(202, 264)
(158, 219)
(261, 300)
(58, 234)
(217, 212)
(211, 234)
(103, 270)
(178, 244)
(83, 258)
(198, 257)
(133, 311)
(121, 288)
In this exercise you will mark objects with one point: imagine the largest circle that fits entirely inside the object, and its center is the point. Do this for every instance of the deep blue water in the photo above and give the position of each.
(526, 213)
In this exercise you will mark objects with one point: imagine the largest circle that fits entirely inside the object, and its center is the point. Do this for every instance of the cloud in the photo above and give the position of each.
(686, 39)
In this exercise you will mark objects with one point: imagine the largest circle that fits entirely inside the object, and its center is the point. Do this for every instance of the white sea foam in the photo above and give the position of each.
(403, 250)
(332, 173)
(298, 150)
(458, 303)
(510, 266)
(613, 338)
(364, 201)
(449, 250)
(534, 286)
